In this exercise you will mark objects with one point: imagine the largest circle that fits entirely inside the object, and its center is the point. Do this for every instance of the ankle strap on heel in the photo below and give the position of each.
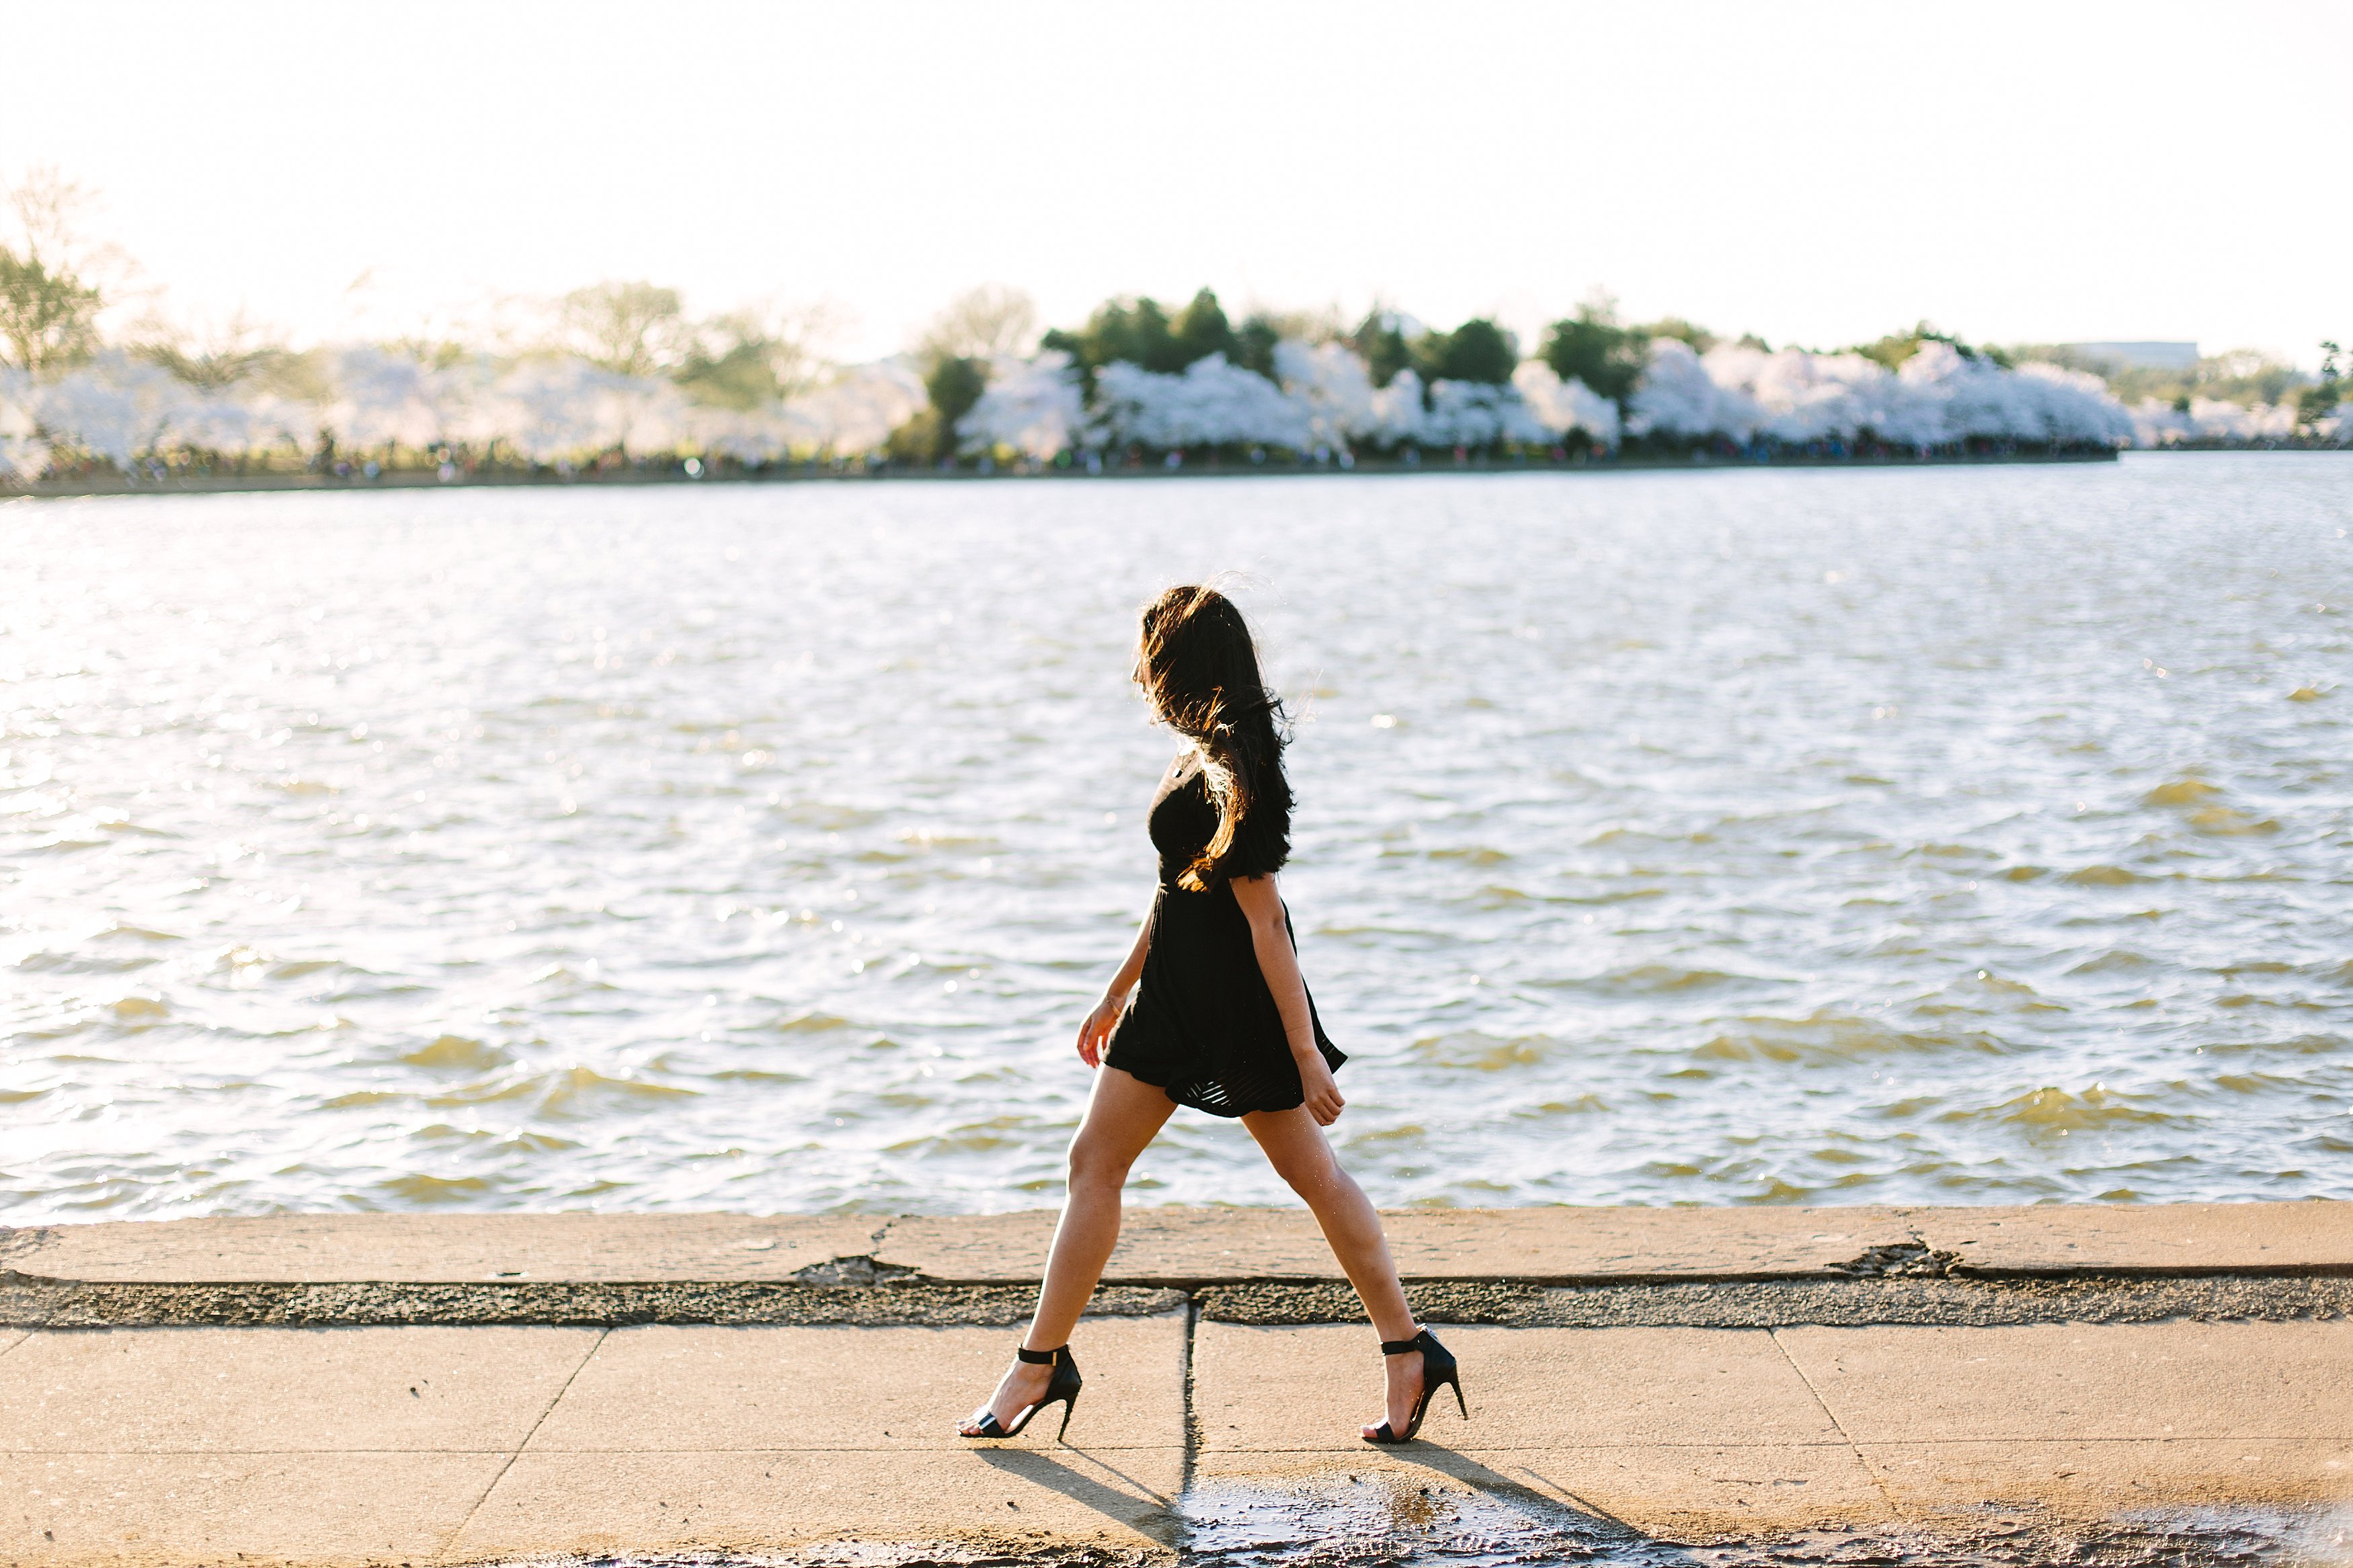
(1038, 1358)
(1404, 1347)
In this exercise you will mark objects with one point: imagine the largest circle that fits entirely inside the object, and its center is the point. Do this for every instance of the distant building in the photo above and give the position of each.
(2140, 356)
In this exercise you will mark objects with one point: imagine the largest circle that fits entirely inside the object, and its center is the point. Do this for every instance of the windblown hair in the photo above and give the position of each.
(1199, 669)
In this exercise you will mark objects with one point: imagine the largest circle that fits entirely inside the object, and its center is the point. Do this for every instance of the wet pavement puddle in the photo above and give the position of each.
(1400, 1522)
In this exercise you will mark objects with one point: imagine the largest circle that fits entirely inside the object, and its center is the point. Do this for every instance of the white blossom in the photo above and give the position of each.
(1678, 397)
(1031, 406)
(2206, 419)
(1210, 404)
(854, 415)
(1333, 390)
(1563, 407)
(22, 450)
(554, 408)
(1476, 414)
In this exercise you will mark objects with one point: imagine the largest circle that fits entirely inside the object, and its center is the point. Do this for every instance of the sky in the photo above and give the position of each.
(1816, 174)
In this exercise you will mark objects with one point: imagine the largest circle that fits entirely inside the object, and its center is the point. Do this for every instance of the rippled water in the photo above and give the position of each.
(1926, 836)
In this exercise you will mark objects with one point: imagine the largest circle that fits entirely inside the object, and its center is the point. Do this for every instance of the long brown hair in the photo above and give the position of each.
(1199, 669)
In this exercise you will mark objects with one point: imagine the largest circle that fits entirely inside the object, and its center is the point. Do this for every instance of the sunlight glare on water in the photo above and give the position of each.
(1919, 835)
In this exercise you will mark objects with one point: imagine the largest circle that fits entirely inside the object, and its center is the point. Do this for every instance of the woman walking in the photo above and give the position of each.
(1209, 1010)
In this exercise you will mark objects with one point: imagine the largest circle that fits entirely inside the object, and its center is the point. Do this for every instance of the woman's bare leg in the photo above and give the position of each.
(1295, 1146)
(1124, 1115)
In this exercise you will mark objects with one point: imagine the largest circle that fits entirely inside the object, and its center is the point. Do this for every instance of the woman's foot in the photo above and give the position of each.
(1023, 1386)
(1404, 1372)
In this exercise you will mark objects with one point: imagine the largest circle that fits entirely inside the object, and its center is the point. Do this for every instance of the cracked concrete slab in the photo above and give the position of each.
(873, 1390)
(165, 1511)
(745, 1500)
(2083, 1380)
(438, 1248)
(1712, 1430)
(690, 1438)
(1309, 1389)
(1674, 1431)
(147, 1391)
(2094, 1480)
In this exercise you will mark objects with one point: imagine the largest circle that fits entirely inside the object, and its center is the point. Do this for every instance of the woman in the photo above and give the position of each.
(1209, 1011)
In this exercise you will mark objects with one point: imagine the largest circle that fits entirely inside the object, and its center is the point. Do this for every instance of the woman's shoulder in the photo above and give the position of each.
(1262, 838)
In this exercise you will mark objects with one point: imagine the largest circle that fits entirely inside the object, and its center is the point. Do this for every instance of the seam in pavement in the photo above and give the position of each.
(1192, 1415)
(455, 1535)
(19, 1340)
(1853, 1446)
(874, 1242)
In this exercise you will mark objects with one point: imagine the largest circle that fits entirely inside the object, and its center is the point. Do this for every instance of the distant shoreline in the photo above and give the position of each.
(670, 474)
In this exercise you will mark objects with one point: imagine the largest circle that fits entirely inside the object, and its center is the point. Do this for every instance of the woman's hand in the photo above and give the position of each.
(1323, 1101)
(1095, 1033)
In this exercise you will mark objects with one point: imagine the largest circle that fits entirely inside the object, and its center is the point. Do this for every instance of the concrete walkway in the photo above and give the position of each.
(1200, 1431)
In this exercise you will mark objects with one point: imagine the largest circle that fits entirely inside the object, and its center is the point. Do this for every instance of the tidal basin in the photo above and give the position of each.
(1927, 836)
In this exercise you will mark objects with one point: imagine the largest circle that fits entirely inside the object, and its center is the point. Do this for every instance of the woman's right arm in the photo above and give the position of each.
(1095, 1033)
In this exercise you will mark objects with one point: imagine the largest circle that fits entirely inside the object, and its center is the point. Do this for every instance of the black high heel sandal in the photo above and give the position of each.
(1438, 1371)
(1061, 1389)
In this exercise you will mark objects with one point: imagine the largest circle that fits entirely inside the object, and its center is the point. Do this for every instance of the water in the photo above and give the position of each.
(1946, 836)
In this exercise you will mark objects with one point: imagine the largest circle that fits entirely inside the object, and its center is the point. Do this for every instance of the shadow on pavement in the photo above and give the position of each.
(1140, 1508)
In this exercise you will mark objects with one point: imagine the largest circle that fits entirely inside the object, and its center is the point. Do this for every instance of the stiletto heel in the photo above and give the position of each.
(1439, 1370)
(1061, 1389)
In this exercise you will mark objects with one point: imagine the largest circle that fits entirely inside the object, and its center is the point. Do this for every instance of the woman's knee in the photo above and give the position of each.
(1308, 1168)
(1094, 1166)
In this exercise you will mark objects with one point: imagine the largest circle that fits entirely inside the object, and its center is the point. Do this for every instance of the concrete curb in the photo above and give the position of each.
(1191, 1249)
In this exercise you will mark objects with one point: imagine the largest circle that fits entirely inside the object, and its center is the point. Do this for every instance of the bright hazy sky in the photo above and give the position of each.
(1817, 173)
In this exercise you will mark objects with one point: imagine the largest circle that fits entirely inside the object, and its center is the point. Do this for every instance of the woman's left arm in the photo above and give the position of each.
(1279, 963)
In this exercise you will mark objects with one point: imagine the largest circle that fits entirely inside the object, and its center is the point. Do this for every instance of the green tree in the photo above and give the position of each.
(628, 328)
(1138, 331)
(1478, 350)
(1201, 330)
(48, 318)
(49, 299)
(1700, 338)
(1591, 347)
(980, 323)
(1379, 341)
(953, 385)
(740, 374)
(1255, 339)
(1254, 344)
(1894, 349)
(2319, 400)
(217, 357)
(1133, 330)
(752, 360)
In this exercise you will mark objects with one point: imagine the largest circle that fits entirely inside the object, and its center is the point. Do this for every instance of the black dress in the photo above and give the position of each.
(1202, 1024)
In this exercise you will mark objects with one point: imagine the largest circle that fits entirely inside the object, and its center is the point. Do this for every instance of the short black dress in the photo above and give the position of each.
(1202, 1024)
